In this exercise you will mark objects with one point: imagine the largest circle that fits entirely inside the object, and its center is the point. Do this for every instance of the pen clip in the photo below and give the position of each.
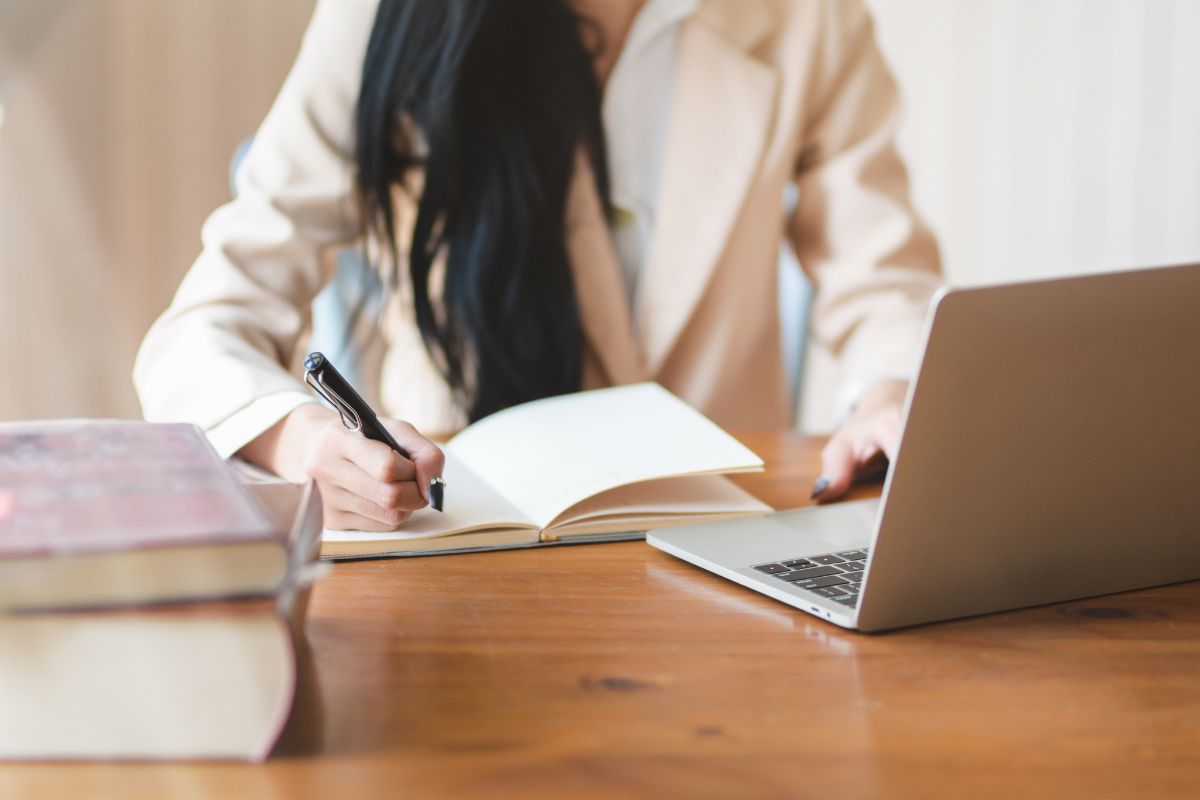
(349, 416)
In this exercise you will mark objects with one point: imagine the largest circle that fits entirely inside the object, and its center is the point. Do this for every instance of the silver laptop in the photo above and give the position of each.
(1051, 451)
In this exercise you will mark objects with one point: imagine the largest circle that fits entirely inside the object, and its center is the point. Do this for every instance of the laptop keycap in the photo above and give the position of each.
(799, 563)
(830, 559)
(854, 555)
(818, 583)
(771, 569)
(805, 574)
(853, 576)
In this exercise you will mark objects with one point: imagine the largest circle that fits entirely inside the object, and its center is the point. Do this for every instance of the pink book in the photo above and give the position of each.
(115, 512)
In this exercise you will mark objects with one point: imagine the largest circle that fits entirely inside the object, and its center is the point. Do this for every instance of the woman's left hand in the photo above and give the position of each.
(870, 434)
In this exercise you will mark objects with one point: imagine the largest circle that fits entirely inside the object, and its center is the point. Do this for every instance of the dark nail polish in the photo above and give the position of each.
(819, 487)
(437, 488)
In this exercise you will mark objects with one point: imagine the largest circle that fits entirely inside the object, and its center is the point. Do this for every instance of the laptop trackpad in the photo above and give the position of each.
(784, 535)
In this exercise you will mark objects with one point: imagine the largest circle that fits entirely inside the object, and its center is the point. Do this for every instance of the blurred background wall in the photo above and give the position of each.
(119, 120)
(1046, 137)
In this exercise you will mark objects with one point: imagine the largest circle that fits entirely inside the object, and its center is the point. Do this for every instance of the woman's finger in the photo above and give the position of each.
(334, 469)
(871, 470)
(376, 459)
(885, 432)
(391, 517)
(871, 434)
(426, 456)
(837, 466)
(859, 450)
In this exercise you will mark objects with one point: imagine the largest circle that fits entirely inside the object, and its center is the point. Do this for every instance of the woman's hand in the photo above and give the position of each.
(365, 485)
(868, 436)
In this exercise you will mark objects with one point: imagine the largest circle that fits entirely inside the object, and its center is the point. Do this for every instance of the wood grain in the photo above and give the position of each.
(617, 671)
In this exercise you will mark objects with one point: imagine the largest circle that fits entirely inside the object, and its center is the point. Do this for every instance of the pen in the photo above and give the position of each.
(356, 415)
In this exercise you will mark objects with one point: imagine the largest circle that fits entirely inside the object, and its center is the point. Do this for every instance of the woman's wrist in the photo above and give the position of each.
(885, 392)
(282, 448)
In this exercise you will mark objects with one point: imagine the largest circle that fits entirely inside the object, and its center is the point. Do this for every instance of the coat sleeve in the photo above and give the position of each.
(218, 356)
(873, 264)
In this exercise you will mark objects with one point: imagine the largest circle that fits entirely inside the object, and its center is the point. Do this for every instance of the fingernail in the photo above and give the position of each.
(819, 487)
(437, 488)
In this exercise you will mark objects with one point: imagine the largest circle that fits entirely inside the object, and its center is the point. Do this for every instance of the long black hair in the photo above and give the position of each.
(491, 102)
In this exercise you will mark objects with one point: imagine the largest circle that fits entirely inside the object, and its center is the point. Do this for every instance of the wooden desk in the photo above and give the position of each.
(615, 670)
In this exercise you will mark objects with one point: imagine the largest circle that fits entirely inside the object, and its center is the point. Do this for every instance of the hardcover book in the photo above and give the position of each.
(196, 680)
(112, 512)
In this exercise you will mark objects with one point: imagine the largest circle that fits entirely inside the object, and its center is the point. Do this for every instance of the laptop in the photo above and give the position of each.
(1050, 451)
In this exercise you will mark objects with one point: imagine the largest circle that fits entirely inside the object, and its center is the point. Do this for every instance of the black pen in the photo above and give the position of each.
(321, 375)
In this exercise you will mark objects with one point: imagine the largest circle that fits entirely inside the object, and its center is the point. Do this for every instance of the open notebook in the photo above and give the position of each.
(592, 466)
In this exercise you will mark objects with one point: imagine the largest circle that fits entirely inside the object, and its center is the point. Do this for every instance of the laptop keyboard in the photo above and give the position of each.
(837, 576)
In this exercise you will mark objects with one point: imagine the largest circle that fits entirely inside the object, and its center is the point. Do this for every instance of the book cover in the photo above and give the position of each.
(110, 512)
(113, 485)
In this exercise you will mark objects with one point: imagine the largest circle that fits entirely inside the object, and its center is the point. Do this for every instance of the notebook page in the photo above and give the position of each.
(550, 454)
(694, 495)
(471, 505)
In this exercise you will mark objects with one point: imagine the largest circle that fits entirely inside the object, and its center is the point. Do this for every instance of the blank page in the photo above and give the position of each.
(548, 455)
(691, 496)
(471, 505)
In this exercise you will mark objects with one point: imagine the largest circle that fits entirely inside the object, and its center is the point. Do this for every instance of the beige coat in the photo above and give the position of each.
(768, 92)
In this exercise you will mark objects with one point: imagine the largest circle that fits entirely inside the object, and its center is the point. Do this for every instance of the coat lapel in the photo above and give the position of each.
(721, 112)
(599, 286)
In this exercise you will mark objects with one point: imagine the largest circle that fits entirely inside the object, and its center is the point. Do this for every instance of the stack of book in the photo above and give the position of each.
(150, 603)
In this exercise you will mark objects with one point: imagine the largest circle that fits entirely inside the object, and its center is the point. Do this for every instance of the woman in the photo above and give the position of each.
(561, 195)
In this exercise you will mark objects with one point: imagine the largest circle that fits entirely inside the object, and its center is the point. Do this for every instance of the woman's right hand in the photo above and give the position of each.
(365, 485)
